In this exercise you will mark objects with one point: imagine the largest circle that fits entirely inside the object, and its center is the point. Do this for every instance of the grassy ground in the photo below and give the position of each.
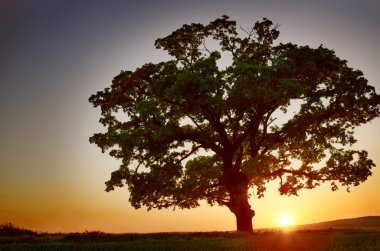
(266, 240)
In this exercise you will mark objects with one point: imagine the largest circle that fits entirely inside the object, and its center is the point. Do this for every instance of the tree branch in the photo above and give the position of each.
(194, 136)
(193, 150)
(252, 125)
(310, 175)
(216, 125)
(239, 158)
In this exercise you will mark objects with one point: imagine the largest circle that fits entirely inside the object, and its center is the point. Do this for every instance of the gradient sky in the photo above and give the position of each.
(55, 54)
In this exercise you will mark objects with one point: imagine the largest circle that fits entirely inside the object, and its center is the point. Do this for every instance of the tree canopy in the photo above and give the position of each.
(188, 129)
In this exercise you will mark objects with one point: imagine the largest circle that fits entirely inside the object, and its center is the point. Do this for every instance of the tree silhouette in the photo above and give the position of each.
(192, 131)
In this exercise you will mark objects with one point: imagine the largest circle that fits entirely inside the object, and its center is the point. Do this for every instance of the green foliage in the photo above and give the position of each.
(195, 131)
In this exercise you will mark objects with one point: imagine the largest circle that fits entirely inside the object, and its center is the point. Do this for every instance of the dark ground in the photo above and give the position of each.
(12, 238)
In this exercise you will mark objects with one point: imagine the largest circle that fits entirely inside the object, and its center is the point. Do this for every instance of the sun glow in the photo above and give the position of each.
(285, 220)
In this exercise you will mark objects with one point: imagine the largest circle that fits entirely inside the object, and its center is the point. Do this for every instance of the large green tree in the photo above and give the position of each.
(188, 129)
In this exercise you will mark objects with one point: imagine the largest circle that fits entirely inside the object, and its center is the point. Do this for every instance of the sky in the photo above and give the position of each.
(55, 53)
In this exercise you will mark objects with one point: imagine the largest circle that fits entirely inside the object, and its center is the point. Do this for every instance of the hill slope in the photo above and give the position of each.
(367, 222)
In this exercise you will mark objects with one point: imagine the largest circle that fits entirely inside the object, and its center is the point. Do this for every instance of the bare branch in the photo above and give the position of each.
(249, 33)
(191, 152)
(194, 121)
(205, 47)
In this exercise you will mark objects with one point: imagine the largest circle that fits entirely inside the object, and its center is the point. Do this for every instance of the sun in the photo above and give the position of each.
(285, 220)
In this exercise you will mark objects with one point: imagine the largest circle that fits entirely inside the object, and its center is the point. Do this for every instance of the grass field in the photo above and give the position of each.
(12, 238)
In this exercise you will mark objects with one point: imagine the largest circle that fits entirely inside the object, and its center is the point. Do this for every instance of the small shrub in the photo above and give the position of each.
(8, 229)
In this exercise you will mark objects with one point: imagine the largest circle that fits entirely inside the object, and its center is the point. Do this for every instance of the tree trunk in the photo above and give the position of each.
(239, 204)
(244, 220)
(244, 215)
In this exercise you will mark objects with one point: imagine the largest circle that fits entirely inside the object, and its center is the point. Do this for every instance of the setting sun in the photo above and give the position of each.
(285, 220)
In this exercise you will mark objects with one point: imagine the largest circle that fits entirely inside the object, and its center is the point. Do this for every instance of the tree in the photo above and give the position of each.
(188, 130)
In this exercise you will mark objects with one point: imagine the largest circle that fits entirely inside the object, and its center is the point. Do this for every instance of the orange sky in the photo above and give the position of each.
(55, 54)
